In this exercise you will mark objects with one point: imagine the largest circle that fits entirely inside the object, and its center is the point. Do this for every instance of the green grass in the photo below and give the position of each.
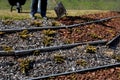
(74, 8)
(6, 14)
(92, 4)
(74, 4)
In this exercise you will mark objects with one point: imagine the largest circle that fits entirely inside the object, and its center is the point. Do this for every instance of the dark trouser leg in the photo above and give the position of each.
(34, 6)
(43, 8)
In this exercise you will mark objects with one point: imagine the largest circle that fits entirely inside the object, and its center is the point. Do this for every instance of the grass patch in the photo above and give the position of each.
(6, 14)
(73, 4)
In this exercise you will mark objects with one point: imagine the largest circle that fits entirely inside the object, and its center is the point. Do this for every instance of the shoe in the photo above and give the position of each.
(32, 16)
(45, 18)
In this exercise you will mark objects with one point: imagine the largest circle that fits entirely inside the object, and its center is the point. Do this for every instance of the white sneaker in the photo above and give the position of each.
(44, 18)
(32, 16)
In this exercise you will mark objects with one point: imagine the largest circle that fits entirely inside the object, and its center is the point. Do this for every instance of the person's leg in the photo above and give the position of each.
(34, 7)
(39, 6)
(43, 8)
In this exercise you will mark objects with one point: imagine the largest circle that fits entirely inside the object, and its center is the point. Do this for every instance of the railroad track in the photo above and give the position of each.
(112, 43)
(47, 49)
(17, 52)
(60, 27)
(78, 71)
(51, 51)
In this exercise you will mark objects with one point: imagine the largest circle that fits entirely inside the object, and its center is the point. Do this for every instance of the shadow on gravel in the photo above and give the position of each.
(115, 43)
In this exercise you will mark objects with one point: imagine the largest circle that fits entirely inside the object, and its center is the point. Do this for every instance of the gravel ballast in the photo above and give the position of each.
(54, 62)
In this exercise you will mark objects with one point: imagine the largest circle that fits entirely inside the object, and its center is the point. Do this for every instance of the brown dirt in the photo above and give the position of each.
(103, 74)
(96, 31)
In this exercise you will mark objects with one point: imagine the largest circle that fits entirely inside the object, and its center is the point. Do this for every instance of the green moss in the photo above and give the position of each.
(56, 23)
(116, 57)
(81, 62)
(59, 58)
(47, 40)
(73, 76)
(49, 32)
(7, 48)
(24, 34)
(25, 65)
(91, 49)
(68, 41)
(48, 37)
(93, 35)
(36, 23)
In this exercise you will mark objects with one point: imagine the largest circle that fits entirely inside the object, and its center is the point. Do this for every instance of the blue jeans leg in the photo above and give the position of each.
(43, 8)
(34, 7)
